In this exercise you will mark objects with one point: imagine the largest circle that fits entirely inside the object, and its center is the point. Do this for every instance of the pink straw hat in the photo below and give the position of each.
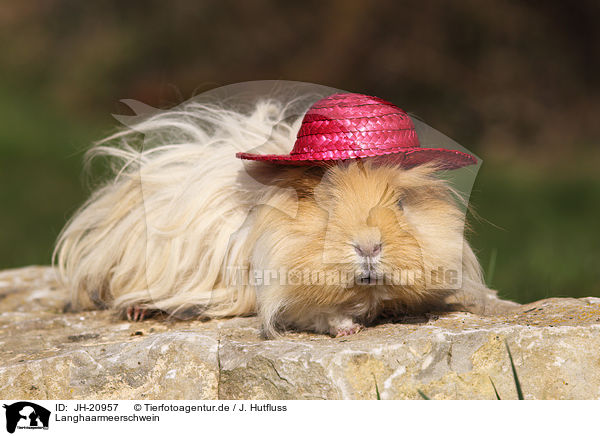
(349, 126)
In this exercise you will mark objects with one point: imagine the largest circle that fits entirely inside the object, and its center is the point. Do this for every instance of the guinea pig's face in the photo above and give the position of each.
(381, 225)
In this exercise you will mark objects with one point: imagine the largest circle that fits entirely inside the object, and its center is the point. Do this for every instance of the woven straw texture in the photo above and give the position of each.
(350, 126)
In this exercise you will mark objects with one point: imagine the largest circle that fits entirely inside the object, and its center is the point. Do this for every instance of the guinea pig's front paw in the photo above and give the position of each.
(339, 327)
(136, 313)
(347, 331)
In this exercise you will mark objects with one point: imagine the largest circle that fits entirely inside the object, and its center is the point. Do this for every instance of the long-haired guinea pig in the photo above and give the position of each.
(185, 228)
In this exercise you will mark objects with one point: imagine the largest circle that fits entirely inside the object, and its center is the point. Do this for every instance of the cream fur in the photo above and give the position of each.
(182, 212)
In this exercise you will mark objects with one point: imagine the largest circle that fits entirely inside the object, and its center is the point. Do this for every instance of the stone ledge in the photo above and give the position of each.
(48, 354)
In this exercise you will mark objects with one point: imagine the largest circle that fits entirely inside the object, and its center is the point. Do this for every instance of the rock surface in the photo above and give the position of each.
(48, 354)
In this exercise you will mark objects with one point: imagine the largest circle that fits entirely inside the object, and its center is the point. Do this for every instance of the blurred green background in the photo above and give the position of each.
(518, 83)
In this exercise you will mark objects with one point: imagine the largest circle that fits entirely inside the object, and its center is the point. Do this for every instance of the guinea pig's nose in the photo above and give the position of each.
(368, 250)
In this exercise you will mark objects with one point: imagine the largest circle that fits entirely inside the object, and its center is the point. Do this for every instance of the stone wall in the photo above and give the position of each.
(48, 354)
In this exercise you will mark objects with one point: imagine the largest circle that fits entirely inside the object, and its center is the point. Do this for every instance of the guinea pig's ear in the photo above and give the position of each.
(306, 180)
(423, 194)
(301, 178)
(426, 183)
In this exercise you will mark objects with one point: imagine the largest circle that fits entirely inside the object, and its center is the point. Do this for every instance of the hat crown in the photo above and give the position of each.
(355, 126)
(348, 124)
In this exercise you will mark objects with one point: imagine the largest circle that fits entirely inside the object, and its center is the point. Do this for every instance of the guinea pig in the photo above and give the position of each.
(185, 228)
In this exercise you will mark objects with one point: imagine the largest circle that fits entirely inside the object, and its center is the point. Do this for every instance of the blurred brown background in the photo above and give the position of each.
(516, 82)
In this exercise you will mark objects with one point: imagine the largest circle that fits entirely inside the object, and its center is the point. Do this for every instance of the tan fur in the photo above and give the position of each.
(178, 222)
(358, 202)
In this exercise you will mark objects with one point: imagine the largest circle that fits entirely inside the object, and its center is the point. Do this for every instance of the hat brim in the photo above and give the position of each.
(407, 158)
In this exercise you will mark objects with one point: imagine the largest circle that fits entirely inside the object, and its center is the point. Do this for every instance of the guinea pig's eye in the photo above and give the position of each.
(400, 203)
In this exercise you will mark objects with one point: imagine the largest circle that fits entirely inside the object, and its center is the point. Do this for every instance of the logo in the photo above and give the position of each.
(26, 415)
